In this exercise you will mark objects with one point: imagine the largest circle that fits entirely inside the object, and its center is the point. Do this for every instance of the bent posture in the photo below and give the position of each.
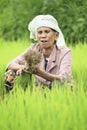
(55, 63)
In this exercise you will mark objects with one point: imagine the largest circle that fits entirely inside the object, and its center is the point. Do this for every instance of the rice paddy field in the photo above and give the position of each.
(60, 109)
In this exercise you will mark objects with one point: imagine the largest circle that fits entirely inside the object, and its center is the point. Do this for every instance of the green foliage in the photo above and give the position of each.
(15, 17)
(59, 110)
(71, 15)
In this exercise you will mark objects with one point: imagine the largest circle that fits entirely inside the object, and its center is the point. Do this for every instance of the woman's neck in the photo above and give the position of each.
(47, 52)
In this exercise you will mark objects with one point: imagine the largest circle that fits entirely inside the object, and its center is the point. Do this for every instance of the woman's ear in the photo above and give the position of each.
(57, 35)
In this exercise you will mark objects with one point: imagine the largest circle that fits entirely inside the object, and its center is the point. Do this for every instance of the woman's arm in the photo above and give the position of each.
(64, 73)
(14, 66)
(19, 61)
(46, 75)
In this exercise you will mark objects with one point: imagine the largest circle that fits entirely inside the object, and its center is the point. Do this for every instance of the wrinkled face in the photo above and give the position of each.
(46, 37)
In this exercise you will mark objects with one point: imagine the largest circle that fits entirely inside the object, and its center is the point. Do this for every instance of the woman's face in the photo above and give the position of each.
(46, 37)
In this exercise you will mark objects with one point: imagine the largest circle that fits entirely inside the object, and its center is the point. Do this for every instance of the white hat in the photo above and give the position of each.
(47, 21)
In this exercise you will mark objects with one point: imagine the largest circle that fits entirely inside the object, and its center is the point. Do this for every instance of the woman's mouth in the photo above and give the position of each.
(44, 41)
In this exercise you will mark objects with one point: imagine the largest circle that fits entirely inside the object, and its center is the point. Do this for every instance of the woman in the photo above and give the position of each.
(51, 44)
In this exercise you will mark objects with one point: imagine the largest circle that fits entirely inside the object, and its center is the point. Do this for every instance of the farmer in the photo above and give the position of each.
(56, 61)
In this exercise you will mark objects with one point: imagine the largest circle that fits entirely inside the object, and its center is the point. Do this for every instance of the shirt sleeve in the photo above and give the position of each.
(65, 72)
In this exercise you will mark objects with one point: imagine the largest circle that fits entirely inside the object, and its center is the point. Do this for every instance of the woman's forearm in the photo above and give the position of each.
(15, 66)
(47, 76)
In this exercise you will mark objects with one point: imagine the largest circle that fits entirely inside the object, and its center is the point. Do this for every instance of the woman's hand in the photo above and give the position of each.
(36, 70)
(20, 70)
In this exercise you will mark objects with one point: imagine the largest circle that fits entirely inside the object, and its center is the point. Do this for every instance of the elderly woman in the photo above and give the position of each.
(56, 62)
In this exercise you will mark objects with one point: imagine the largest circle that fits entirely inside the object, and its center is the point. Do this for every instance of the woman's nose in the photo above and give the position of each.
(43, 34)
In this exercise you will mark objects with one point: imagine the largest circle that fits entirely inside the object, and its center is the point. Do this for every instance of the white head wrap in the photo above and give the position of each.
(46, 21)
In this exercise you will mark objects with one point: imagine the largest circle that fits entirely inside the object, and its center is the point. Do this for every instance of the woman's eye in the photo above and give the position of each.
(47, 31)
(39, 32)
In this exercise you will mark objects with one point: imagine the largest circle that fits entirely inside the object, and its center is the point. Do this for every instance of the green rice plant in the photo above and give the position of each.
(59, 110)
(24, 81)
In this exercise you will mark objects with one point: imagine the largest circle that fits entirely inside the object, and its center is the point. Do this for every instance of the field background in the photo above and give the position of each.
(60, 109)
